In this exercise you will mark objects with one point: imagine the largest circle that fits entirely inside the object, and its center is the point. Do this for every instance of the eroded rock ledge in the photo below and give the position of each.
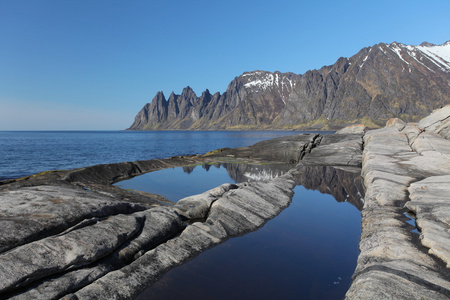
(73, 235)
(406, 169)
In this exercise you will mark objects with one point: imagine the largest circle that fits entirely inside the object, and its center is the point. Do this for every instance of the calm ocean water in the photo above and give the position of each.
(24, 153)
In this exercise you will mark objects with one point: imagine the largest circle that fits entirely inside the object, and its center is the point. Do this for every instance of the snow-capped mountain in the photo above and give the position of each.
(379, 82)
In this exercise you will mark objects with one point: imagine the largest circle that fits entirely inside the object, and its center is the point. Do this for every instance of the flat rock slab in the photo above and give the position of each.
(289, 149)
(198, 206)
(336, 150)
(74, 248)
(32, 213)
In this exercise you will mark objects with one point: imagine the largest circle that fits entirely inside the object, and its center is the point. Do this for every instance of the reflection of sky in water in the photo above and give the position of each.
(175, 184)
(309, 251)
(411, 221)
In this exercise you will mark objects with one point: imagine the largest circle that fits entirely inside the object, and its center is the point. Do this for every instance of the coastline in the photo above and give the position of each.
(396, 162)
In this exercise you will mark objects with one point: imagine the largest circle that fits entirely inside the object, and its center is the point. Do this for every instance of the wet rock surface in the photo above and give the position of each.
(73, 235)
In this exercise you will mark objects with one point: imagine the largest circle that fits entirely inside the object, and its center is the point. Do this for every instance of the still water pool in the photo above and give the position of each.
(308, 251)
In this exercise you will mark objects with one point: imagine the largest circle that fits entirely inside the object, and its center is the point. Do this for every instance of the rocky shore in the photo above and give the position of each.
(74, 235)
(406, 170)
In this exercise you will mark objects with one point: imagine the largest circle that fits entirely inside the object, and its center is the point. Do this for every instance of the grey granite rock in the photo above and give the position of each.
(160, 224)
(335, 150)
(197, 206)
(56, 209)
(430, 201)
(289, 149)
(437, 122)
(236, 212)
(397, 123)
(401, 169)
(352, 129)
(32, 213)
(71, 249)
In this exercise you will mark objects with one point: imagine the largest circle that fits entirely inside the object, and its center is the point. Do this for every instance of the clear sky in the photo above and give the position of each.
(93, 64)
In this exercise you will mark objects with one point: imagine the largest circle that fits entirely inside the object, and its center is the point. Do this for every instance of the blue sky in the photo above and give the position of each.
(93, 64)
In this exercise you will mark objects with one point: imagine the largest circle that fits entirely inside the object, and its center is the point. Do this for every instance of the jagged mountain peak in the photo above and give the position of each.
(377, 83)
(159, 97)
(187, 90)
(188, 95)
(426, 44)
(172, 97)
(206, 93)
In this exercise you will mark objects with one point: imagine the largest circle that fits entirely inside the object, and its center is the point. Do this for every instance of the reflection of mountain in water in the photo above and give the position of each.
(245, 172)
(240, 172)
(344, 184)
(188, 169)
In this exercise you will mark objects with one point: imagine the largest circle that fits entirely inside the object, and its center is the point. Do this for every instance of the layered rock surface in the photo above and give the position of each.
(406, 170)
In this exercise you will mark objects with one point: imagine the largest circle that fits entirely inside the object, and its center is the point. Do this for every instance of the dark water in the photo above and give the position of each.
(28, 152)
(175, 183)
(308, 251)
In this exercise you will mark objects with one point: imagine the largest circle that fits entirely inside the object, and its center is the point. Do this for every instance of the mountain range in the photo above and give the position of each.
(374, 85)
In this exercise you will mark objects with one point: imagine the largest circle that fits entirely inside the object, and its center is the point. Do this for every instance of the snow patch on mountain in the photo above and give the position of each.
(439, 55)
(397, 48)
(364, 60)
(262, 80)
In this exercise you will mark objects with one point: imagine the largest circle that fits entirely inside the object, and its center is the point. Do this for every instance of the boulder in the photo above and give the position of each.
(359, 129)
(197, 206)
(396, 122)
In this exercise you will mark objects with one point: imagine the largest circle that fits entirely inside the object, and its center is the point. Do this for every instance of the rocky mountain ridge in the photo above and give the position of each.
(379, 82)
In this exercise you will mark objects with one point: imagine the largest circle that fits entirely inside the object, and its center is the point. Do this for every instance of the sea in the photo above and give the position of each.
(24, 153)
